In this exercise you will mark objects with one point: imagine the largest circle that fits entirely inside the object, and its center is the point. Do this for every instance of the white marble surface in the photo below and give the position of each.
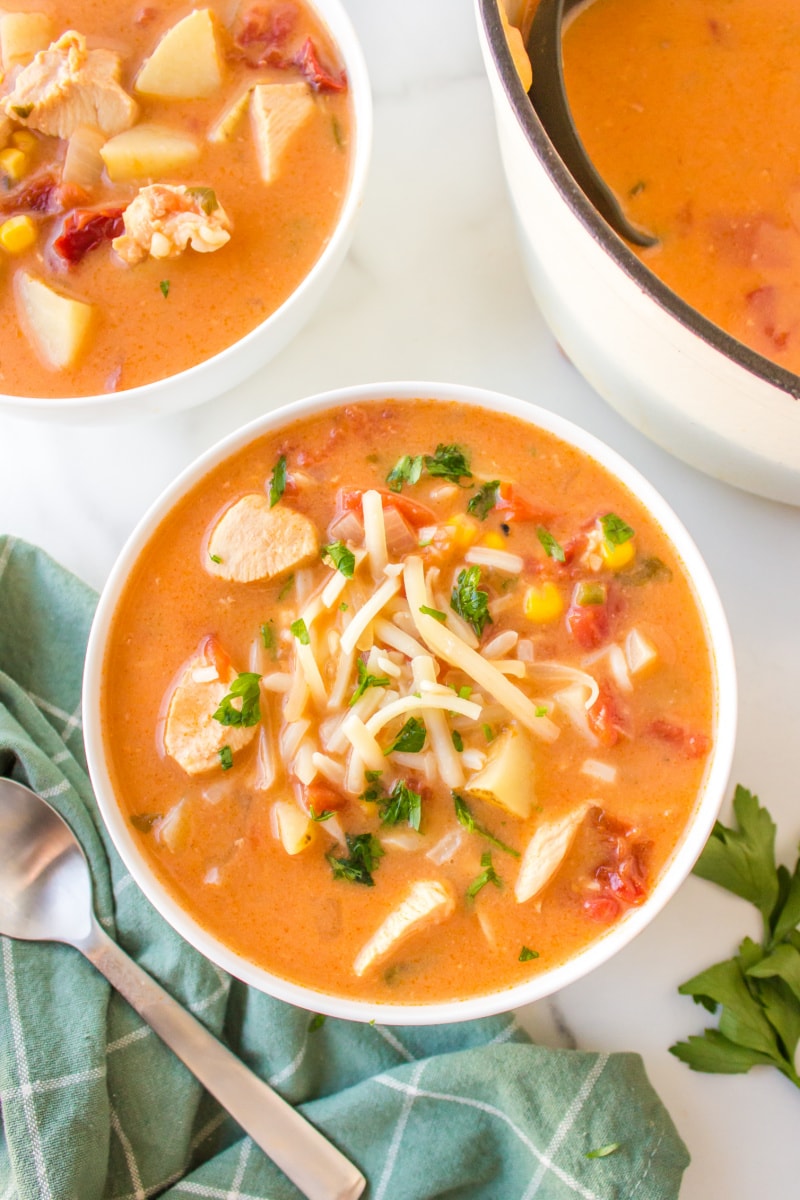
(433, 289)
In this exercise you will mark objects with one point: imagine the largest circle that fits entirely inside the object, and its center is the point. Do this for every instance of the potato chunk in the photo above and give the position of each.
(252, 541)
(277, 112)
(185, 64)
(507, 779)
(428, 903)
(148, 152)
(192, 737)
(294, 828)
(545, 853)
(23, 34)
(58, 325)
(226, 124)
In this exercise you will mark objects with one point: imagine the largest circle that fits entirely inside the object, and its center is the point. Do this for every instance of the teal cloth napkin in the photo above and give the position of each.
(94, 1106)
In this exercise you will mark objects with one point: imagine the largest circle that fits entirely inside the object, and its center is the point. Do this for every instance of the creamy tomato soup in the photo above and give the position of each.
(168, 176)
(408, 702)
(686, 108)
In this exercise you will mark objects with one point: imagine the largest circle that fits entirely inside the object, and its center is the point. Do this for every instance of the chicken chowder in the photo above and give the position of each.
(407, 702)
(168, 176)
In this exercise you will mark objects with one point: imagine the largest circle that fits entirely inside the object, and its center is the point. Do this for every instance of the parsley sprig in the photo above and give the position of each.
(277, 483)
(757, 991)
(405, 470)
(467, 820)
(245, 688)
(365, 680)
(402, 804)
(365, 853)
(447, 462)
(411, 737)
(470, 601)
(484, 500)
(342, 559)
(487, 875)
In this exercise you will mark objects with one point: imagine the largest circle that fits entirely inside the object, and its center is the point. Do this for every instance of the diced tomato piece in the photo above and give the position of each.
(323, 798)
(762, 304)
(316, 75)
(692, 745)
(417, 514)
(607, 719)
(602, 908)
(515, 503)
(86, 229)
(269, 24)
(588, 624)
(38, 195)
(620, 879)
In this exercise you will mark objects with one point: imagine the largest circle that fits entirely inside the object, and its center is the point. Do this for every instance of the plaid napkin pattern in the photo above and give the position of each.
(94, 1107)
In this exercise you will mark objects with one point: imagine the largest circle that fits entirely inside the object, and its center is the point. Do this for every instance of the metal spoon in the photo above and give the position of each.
(46, 895)
(549, 97)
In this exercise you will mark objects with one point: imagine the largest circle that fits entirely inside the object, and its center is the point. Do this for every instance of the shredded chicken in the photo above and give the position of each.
(67, 86)
(164, 219)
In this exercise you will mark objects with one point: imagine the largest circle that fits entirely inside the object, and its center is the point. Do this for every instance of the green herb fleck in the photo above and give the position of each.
(325, 815)
(214, 557)
(411, 737)
(206, 198)
(268, 638)
(22, 110)
(551, 547)
(615, 531)
(465, 818)
(246, 689)
(448, 462)
(277, 483)
(316, 1022)
(541, 710)
(343, 607)
(527, 955)
(458, 741)
(365, 680)
(164, 288)
(488, 732)
(226, 758)
(287, 587)
(144, 822)
(338, 136)
(637, 188)
(469, 601)
(604, 1151)
(433, 612)
(403, 804)
(484, 500)
(343, 559)
(487, 875)
(405, 470)
(299, 630)
(375, 791)
(646, 571)
(365, 852)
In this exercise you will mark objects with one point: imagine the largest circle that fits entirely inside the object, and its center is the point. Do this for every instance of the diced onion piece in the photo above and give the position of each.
(501, 644)
(362, 739)
(172, 829)
(388, 633)
(507, 779)
(427, 903)
(446, 848)
(374, 532)
(571, 702)
(365, 615)
(292, 826)
(447, 758)
(545, 853)
(401, 839)
(599, 770)
(525, 650)
(445, 645)
(405, 704)
(303, 766)
(346, 528)
(498, 560)
(486, 927)
(639, 652)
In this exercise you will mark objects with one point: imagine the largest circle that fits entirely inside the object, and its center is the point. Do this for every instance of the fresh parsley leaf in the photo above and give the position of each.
(488, 732)
(484, 500)
(299, 629)
(268, 639)
(469, 601)
(214, 557)
(458, 741)
(375, 791)
(433, 612)
(365, 680)
(365, 853)
(226, 758)
(603, 1151)
(551, 547)
(448, 462)
(343, 559)
(527, 955)
(487, 875)
(541, 710)
(465, 818)
(405, 470)
(411, 737)
(403, 804)
(615, 531)
(277, 484)
(343, 607)
(246, 689)
(325, 815)
(316, 1022)
(287, 587)
(743, 860)
(164, 288)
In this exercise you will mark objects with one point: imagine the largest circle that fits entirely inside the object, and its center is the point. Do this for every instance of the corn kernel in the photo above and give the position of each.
(617, 557)
(465, 530)
(543, 604)
(13, 164)
(17, 234)
(24, 140)
(495, 541)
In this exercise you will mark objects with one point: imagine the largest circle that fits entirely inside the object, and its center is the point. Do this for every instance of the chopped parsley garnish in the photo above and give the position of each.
(448, 462)
(337, 132)
(164, 288)
(469, 601)
(343, 559)
(758, 989)
(214, 557)
(487, 875)
(527, 955)
(402, 804)
(325, 815)
(405, 470)
(463, 692)
(268, 637)
(365, 680)
(365, 852)
(488, 732)
(436, 613)
(458, 741)
(552, 548)
(226, 758)
(144, 822)
(375, 791)
(590, 593)
(411, 737)
(300, 631)
(484, 500)
(277, 484)
(603, 1151)
(287, 587)
(541, 710)
(343, 607)
(22, 110)
(615, 531)
(246, 689)
(465, 818)
(316, 1022)
(206, 199)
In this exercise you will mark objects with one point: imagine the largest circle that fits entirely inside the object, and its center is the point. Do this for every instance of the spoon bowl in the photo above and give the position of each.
(46, 895)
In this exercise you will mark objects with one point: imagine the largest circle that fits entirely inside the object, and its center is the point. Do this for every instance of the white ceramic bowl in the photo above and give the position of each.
(242, 359)
(674, 375)
(687, 851)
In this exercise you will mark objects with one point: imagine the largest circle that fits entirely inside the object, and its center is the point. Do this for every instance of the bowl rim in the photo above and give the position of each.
(717, 339)
(340, 28)
(599, 951)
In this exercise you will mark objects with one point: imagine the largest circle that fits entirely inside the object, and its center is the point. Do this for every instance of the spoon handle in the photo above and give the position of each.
(312, 1163)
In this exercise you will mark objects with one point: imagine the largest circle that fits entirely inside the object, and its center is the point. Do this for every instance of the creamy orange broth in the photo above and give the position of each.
(686, 108)
(278, 229)
(288, 913)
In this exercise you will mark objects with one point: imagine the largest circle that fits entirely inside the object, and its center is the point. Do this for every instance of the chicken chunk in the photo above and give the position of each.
(253, 542)
(428, 903)
(278, 111)
(545, 853)
(67, 86)
(164, 219)
(192, 737)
